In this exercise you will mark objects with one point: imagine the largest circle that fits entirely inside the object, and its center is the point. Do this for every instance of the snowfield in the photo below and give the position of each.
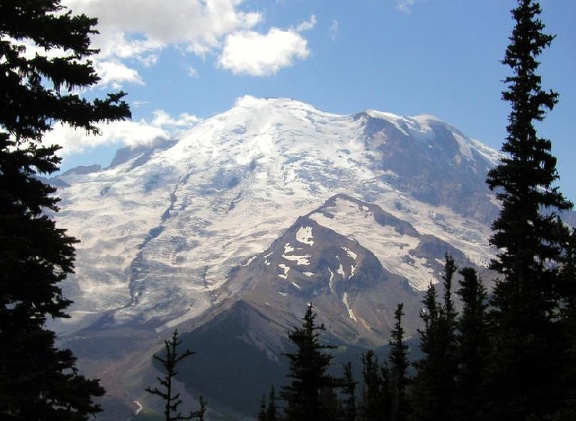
(161, 231)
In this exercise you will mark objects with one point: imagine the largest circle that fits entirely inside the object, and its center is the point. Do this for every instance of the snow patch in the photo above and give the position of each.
(286, 269)
(331, 280)
(464, 146)
(350, 253)
(350, 312)
(250, 260)
(304, 236)
(340, 271)
(300, 260)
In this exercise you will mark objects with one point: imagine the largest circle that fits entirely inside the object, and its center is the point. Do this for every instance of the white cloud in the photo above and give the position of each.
(307, 25)
(115, 73)
(140, 29)
(128, 133)
(257, 54)
(136, 31)
(184, 121)
(404, 5)
(149, 24)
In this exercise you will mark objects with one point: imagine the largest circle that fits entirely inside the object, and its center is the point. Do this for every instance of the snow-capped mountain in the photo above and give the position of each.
(164, 229)
(231, 229)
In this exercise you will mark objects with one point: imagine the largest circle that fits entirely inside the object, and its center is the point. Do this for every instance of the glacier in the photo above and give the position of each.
(163, 229)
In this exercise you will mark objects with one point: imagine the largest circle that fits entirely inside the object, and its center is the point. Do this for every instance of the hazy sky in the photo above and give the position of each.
(185, 60)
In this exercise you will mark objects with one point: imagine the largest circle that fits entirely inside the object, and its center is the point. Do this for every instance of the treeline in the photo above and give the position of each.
(451, 381)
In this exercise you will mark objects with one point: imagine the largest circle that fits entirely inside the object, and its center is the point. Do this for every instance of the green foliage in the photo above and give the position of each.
(567, 323)
(37, 380)
(171, 399)
(271, 409)
(268, 409)
(399, 363)
(522, 378)
(473, 346)
(348, 410)
(375, 400)
(310, 395)
(385, 388)
(434, 381)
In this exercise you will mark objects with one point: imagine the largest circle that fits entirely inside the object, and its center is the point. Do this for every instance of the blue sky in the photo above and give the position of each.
(181, 61)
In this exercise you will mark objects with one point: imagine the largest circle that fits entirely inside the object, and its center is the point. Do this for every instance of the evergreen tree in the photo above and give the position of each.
(171, 399)
(262, 410)
(568, 326)
(433, 388)
(473, 346)
(398, 361)
(268, 410)
(271, 409)
(425, 402)
(348, 411)
(529, 237)
(375, 401)
(37, 380)
(311, 386)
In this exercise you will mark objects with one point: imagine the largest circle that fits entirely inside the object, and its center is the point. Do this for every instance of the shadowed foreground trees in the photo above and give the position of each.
(44, 63)
(310, 394)
(524, 371)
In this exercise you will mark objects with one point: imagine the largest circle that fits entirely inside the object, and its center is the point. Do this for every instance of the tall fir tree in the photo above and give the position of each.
(271, 408)
(348, 401)
(375, 400)
(425, 401)
(529, 237)
(262, 410)
(433, 387)
(44, 63)
(398, 366)
(268, 409)
(473, 346)
(310, 394)
(568, 327)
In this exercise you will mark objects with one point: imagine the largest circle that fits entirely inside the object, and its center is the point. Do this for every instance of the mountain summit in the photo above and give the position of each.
(167, 230)
(230, 230)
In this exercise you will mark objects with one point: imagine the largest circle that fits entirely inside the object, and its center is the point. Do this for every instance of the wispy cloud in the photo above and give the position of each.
(191, 71)
(333, 30)
(307, 25)
(129, 133)
(404, 5)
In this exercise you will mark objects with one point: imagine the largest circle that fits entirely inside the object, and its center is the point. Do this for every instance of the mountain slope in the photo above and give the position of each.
(230, 230)
(163, 227)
